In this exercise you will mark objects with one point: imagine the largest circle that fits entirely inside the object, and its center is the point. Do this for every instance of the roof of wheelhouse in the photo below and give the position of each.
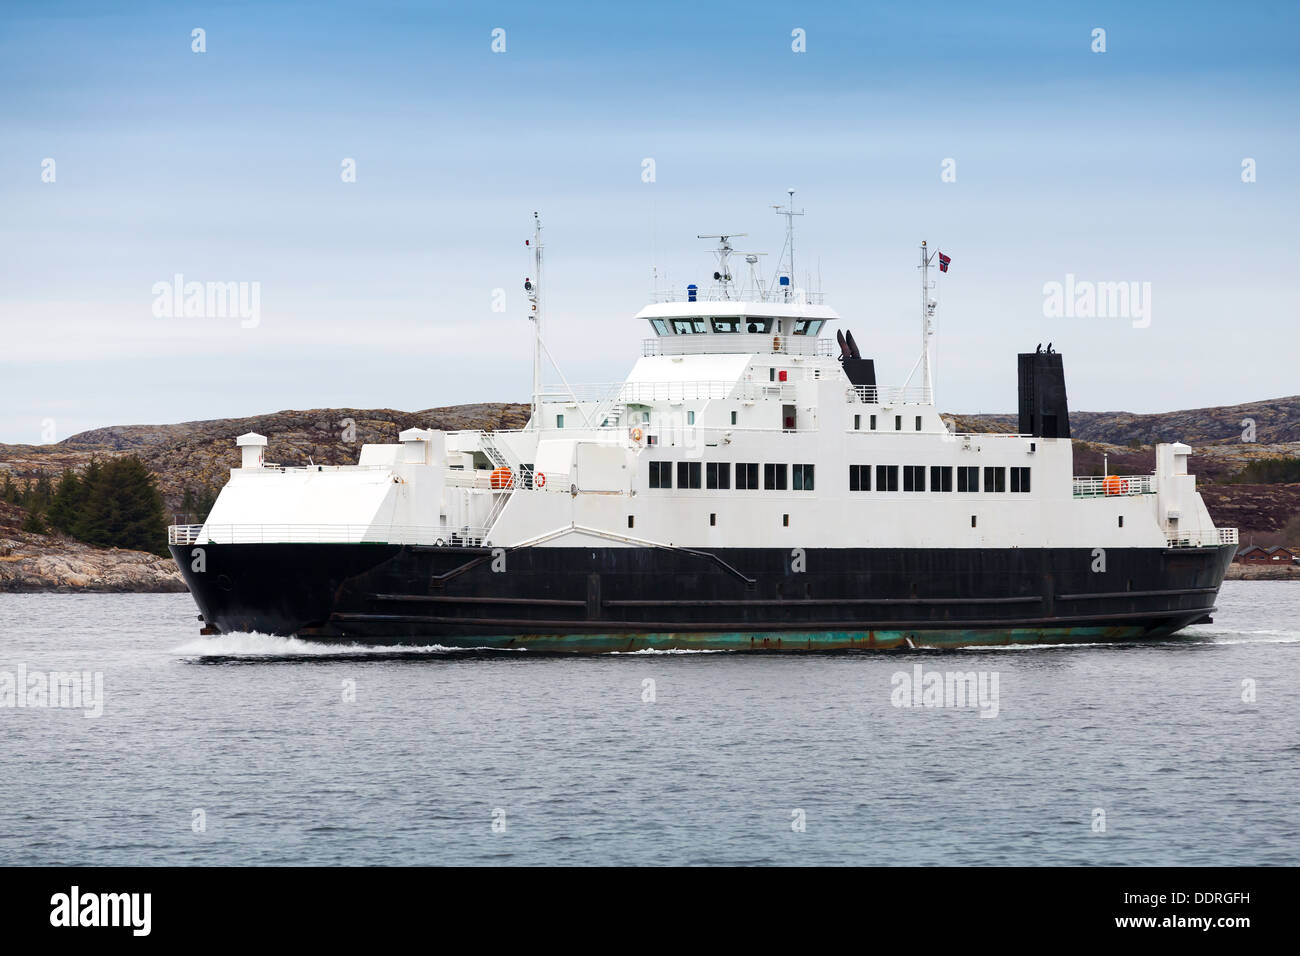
(734, 307)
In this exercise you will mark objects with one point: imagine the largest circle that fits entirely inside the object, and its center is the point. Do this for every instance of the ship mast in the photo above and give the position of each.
(789, 212)
(927, 323)
(533, 287)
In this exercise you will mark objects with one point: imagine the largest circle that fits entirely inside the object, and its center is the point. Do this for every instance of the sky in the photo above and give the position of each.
(998, 134)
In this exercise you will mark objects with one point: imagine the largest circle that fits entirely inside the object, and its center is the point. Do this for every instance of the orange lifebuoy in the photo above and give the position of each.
(636, 434)
(539, 480)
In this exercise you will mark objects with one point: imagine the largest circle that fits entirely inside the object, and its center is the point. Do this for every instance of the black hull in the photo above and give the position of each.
(601, 599)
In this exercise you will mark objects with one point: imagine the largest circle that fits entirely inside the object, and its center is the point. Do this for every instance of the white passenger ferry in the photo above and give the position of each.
(748, 486)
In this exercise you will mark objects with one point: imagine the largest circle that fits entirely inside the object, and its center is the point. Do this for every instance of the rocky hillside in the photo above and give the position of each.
(33, 562)
(1277, 422)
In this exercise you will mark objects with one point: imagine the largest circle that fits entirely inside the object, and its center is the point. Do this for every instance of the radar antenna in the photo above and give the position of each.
(722, 275)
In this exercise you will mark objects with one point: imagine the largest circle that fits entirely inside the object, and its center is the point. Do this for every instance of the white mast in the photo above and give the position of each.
(789, 212)
(927, 329)
(533, 287)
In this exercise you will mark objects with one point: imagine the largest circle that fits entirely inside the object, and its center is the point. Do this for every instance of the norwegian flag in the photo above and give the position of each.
(943, 262)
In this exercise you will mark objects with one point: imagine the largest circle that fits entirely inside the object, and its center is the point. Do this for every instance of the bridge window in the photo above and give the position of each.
(886, 477)
(995, 479)
(807, 326)
(859, 477)
(689, 326)
(1020, 479)
(803, 477)
(914, 477)
(968, 479)
(774, 477)
(717, 474)
(757, 325)
(688, 474)
(940, 478)
(726, 325)
(746, 476)
(660, 326)
(661, 474)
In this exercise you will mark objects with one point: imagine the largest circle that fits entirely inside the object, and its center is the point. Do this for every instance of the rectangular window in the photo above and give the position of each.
(771, 375)
(918, 422)
(774, 477)
(661, 474)
(733, 418)
(746, 476)
(995, 479)
(713, 520)
(898, 423)
(717, 474)
(803, 477)
(972, 521)
(857, 422)
(968, 478)
(940, 478)
(690, 418)
(688, 474)
(785, 521)
(1020, 480)
(630, 521)
(559, 421)
(859, 477)
(873, 423)
(886, 477)
(914, 477)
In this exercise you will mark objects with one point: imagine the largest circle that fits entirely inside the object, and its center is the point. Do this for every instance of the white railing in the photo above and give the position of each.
(625, 393)
(324, 534)
(183, 533)
(781, 295)
(1098, 487)
(890, 395)
(1211, 538)
(726, 342)
(519, 479)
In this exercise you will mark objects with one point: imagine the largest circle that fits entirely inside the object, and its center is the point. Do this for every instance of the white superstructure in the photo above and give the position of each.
(737, 427)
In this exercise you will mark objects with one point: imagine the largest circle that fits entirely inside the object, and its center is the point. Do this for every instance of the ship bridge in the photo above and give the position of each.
(692, 327)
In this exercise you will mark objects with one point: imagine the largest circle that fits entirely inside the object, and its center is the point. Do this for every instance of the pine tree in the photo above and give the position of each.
(124, 509)
(9, 493)
(69, 499)
(34, 524)
(44, 493)
(90, 480)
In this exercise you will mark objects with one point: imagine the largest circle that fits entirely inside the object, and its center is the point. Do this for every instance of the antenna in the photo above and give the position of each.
(533, 287)
(789, 212)
(755, 281)
(723, 274)
(927, 325)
